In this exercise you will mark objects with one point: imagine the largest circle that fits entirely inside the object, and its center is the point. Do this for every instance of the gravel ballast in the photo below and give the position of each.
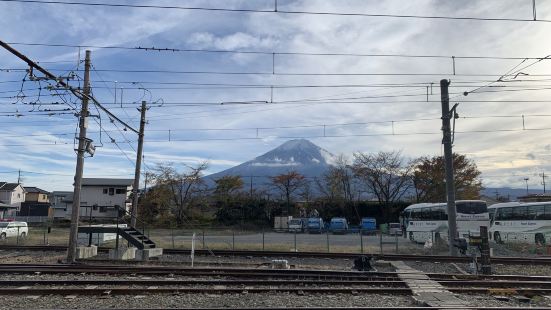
(283, 300)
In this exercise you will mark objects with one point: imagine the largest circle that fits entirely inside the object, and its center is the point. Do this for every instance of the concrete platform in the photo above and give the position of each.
(146, 254)
(426, 291)
(122, 253)
(86, 251)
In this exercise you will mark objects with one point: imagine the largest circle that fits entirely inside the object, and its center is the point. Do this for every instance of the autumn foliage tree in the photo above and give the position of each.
(287, 184)
(429, 178)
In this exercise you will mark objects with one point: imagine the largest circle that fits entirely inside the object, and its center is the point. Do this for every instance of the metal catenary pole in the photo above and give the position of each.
(73, 234)
(134, 210)
(448, 157)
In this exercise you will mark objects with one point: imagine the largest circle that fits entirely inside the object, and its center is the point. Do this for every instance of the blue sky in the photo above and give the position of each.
(505, 158)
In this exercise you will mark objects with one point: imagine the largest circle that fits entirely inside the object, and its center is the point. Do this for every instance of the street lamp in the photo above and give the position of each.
(526, 180)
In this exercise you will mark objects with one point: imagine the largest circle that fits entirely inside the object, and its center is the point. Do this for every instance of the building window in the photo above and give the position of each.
(120, 191)
(102, 209)
(18, 195)
(105, 190)
(111, 191)
(94, 207)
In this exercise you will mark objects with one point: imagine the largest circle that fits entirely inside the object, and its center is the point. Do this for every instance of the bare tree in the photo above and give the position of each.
(338, 182)
(386, 175)
(182, 187)
(287, 184)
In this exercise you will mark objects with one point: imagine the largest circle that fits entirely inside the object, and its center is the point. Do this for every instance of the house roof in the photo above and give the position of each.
(106, 182)
(32, 189)
(5, 186)
(66, 196)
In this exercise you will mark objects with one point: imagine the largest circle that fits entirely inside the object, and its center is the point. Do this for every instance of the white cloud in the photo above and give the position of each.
(497, 154)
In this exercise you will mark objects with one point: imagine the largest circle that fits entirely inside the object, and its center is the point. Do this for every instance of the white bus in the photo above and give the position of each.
(521, 222)
(426, 221)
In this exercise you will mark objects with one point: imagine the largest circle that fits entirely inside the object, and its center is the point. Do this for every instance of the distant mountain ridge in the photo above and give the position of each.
(298, 155)
(312, 161)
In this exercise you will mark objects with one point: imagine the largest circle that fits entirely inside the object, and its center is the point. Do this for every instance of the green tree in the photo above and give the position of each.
(227, 187)
(429, 178)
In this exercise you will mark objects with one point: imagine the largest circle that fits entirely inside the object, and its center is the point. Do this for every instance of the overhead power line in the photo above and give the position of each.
(271, 53)
(279, 10)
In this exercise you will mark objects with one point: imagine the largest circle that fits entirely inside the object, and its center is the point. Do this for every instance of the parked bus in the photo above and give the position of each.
(426, 221)
(521, 222)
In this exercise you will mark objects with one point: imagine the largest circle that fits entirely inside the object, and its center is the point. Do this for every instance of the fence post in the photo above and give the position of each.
(327, 235)
(361, 242)
(396, 240)
(381, 242)
(295, 248)
(203, 232)
(262, 239)
(45, 235)
(18, 235)
(172, 234)
(117, 233)
(233, 240)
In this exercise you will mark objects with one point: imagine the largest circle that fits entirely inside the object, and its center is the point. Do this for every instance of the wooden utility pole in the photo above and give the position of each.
(82, 142)
(448, 157)
(137, 172)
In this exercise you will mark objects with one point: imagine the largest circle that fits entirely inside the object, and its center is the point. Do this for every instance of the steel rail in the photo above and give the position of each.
(174, 282)
(210, 290)
(426, 258)
(226, 290)
(270, 282)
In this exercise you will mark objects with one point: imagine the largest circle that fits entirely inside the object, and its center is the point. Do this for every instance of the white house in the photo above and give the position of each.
(12, 194)
(99, 197)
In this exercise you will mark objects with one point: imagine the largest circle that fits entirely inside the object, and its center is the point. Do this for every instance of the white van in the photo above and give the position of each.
(13, 229)
(395, 229)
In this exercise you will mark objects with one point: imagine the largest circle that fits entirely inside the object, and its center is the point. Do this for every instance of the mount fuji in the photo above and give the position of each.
(298, 155)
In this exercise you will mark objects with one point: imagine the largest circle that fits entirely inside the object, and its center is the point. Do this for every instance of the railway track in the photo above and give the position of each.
(141, 287)
(284, 254)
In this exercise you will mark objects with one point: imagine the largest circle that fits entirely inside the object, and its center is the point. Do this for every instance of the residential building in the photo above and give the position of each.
(12, 194)
(35, 194)
(100, 198)
(61, 204)
(36, 204)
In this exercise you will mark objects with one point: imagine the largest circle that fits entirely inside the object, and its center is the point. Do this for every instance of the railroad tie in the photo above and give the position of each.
(425, 290)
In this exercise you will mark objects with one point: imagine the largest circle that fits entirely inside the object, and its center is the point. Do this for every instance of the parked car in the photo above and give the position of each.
(395, 229)
(296, 225)
(315, 225)
(13, 229)
(338, 225)
(368, 225)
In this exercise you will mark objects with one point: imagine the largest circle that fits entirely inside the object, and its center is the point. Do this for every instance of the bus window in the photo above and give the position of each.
(547, 213)
(535, 212)
(415, 214)
(519, 213)
(504, 214)
(425, 213)
(476, 207)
